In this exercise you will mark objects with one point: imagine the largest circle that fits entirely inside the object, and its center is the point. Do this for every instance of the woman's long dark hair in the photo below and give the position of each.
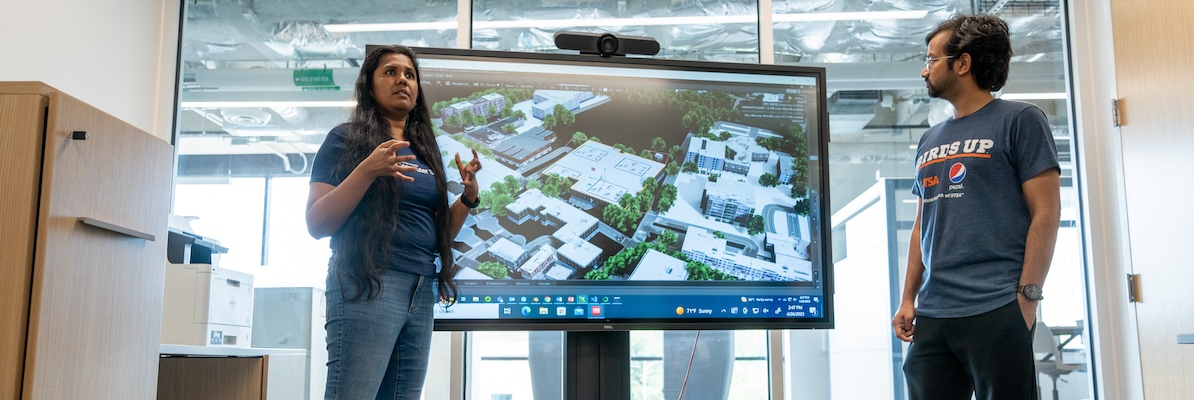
(364, 247)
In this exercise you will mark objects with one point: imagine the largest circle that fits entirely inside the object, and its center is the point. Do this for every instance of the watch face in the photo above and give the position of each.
(1032, 292)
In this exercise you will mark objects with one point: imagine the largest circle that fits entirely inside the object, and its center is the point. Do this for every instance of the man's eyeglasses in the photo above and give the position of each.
(929, 60)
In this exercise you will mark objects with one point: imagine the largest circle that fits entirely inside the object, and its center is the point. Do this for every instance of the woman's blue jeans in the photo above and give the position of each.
(379, 348)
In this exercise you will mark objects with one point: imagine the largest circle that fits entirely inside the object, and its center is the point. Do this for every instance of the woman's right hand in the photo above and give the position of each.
(384, 162)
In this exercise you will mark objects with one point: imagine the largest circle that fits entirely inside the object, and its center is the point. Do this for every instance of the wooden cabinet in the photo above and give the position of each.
(225, 378)
(82, 245)
(230, 373)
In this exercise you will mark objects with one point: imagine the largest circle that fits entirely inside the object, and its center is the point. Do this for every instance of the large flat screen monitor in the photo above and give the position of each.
(633, 193)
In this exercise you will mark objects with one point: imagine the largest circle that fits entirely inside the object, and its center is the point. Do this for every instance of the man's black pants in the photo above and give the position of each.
(988, 355)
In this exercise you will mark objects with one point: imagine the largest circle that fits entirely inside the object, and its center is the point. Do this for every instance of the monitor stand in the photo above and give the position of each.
(598, 365)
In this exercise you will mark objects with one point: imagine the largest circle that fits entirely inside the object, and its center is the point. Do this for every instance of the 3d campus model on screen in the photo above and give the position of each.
(638, 193)
(631, 184)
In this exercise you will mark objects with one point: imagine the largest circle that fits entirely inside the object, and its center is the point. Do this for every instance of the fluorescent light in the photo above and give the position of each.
(645, 21)
(850, 16)
(391, 27)
(601, 22)
(1033, 96)
(235, 104)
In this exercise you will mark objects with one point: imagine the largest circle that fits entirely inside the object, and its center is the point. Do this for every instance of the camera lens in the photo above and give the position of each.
(607, 44)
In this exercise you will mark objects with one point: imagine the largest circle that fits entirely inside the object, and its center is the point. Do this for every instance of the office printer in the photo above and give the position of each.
(204, 305)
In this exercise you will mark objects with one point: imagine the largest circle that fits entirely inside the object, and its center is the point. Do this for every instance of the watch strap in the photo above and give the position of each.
(1031, 291)
(470, 204)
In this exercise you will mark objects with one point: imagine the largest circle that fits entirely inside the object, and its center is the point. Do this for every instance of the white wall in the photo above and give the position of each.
(1114, 342)
(117, 55)
(860, 344)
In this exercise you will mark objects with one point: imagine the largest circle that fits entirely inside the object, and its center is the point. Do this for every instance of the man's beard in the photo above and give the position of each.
(934, 92)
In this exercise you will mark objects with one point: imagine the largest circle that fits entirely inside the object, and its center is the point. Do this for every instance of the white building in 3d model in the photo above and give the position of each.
(728, 201)
(656, 266)
(478, 106)
(603, 174)
(701, 245)
(545, 101)
(571, 239)
(533, 205)
(524, 147)
(708, 155)
(538, 262)
(578, 254)
(733, 155)
(785, 170)
(508, 253)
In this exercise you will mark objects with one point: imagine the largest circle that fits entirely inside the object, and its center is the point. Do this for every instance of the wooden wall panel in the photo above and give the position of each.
(21, 119)
(1154, 49)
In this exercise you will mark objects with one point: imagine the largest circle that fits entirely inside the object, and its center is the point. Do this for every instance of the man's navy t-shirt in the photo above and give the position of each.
(974, 222)
(414, 246)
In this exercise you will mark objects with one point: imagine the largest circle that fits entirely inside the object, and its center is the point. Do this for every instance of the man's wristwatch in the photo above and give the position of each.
(1031, 291)
(470, 204)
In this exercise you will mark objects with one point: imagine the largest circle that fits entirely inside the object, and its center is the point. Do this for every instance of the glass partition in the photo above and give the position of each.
(878, 111)
(262, 83)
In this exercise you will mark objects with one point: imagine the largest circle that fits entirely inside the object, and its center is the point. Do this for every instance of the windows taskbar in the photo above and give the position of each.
(590, 306)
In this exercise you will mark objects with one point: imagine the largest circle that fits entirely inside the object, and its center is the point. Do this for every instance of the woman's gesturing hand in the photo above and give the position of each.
(384, 162)
(468, 175)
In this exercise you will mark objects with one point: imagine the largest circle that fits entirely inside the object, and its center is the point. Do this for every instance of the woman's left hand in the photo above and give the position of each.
(468, 175)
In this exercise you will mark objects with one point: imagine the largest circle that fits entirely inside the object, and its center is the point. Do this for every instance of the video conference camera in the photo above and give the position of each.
(606, 44)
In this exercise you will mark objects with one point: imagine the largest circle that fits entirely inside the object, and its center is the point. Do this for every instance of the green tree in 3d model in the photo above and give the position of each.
(579, 138)
(667, 197)
(658, 144)
(493, 269)
(768, 180)
(754, 225)
(699, 271)
(466, 117)
(564, 116)
(453, 121)
(598, 274)
(668, 237)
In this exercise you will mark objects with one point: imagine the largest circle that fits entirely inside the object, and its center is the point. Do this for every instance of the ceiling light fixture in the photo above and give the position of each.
(604, 22)
(1034, 96)
(277, 104)
(645, 21)
(391, 27)
(851, 16)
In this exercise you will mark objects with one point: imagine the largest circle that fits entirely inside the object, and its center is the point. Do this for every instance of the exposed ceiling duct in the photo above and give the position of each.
(238, 51)
(235, 30)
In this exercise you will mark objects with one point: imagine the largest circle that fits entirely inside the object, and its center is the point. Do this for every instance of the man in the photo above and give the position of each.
(988, 185)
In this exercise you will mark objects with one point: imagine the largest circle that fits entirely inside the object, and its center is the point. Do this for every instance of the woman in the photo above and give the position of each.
(378, 188)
